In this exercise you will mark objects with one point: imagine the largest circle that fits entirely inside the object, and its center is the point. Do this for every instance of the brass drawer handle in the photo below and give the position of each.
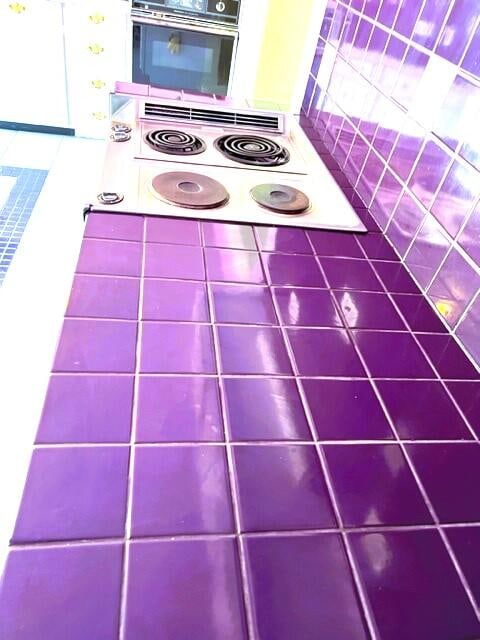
(97, 84)
(96, 18)
(99, 115)
(96, 49)
(17, 7)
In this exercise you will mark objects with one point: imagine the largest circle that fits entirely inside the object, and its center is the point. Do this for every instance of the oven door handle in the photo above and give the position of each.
(191, 25)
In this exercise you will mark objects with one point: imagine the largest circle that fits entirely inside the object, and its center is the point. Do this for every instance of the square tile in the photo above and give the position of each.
(331, 243)
(374, 486)
(293, 270)
(377, 247)
(181, 490)
(173, 231)
(228, 236)
(174, 261)
(283, 240)
(175, 300)
(466, 543)
(254, 350)
(87, 409)
(364, 310)
(395, 277)
(350, 274)
(115, 226)
(173, 584)
(177, 348)
(467, 395)
(448, 358)
(62, 592)
(234, 265)
(346, 410)
(307, 307)
(324, 352)
(437, 606)
(74, 493)
(392, 355)
(243, 304)
(109, 257)
(281, 487)
(312, 575)
(178, 409)
(102, 297)
(419, 314)
(422, 410)
(96, 346)
(450, 474)
(265, 409)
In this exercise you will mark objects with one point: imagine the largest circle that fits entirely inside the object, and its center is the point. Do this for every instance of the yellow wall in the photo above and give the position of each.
(286, 28)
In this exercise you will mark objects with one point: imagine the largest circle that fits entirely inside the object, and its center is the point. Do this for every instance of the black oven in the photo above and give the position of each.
(185, 44)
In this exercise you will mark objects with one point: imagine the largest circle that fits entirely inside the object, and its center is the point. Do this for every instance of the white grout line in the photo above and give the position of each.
(131, 469)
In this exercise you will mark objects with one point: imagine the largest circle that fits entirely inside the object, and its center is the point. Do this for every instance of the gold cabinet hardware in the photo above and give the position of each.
(99, 115)
(96, 18)
(97, 84)
(96, 49)
(17, 7)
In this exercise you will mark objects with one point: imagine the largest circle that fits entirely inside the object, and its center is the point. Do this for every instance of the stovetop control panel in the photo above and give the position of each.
(219, 11)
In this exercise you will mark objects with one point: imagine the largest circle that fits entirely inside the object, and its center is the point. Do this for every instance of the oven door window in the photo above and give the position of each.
(180, 59)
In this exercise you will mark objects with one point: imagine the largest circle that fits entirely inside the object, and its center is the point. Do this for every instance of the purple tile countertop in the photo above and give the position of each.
(249, 433)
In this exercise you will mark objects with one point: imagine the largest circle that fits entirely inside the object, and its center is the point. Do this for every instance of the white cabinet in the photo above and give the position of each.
(32, 68)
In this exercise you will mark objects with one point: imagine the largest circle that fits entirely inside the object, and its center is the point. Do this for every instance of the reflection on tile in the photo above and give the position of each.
(324, 352)
(283, 240)
(427, 251)
(231, 236)
(172, 231)
(307, 307)
(233, 265)
(252, 350)
(115, 227)
(110, 257)
(468, 330)
(294, 270)
(363, 310)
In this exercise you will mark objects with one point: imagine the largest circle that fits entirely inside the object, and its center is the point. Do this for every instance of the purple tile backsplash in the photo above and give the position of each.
(393, 97)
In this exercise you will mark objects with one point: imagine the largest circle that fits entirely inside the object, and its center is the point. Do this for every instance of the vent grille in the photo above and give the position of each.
(244, 119)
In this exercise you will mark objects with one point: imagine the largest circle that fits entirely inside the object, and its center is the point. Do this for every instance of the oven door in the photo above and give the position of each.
(172, 55)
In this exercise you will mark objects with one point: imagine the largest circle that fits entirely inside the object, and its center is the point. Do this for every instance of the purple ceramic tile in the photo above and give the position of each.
(265, 409)
(362, 310)
(243, 304)
(281, 487)
(409, 144)
(377, 247)
(448, 358)
(62, 592)
(388, 12)
(172, 231)
(350, 274)
(339, 245)
(186, 589)
(181, 490)
(174, 300)
(174, 261)
(87, 409)
(470, 235)
(253, 350)
(457, 30)
(407, 17)
(178, 410)
(311, 573)
(307, 307)
(450, 474)
(102, 297)
(110, 257)
(283, 240)
(368, 220)
(395, 277)
(233, 265)
(372, 7)
(324, 352)
(228, 236)
(430, 21)
(404, 92)
(96, 346)
(177, 348)
(467, 331)
(74, 493)
(404, 360)
(422, 410)
(471, 61)
(427, 251)
(346, 410)
(388, 562)
(466, 543)
(293, 270)
(459, 103)
(374, 486)
(429, 172)
(455, 199)
(387, 133)
(454, 287)
(418, 314)
(114, 226)
(467, 395)
(386, 198)
(391, 64)
(405, 223)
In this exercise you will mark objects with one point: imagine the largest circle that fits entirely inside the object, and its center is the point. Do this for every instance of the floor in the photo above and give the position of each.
(35, 289)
